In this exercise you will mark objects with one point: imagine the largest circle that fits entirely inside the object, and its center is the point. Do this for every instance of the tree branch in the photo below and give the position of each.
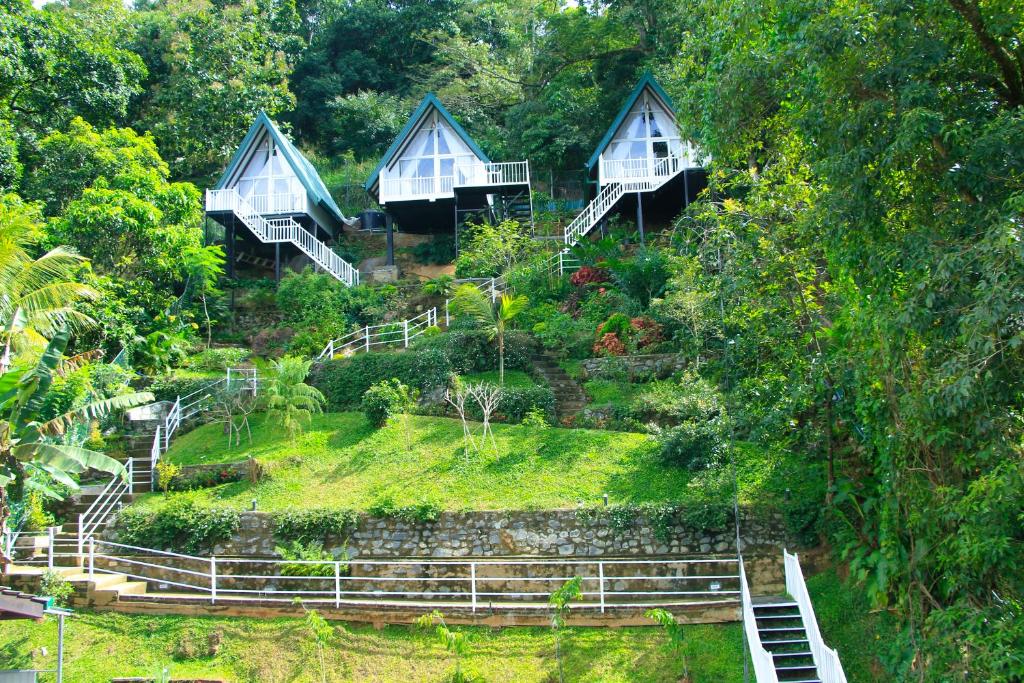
(1012, 78)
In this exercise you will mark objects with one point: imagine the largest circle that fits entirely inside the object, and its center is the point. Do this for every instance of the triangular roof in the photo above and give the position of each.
(430, 99)
(646, 81)
(304, 171)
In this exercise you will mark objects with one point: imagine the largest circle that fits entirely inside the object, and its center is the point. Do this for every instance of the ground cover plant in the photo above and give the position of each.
(102, 646)
(341, 458)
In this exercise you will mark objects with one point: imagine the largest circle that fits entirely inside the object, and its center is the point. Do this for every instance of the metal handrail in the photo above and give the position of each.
(399, 332)
(830, 669)
(764, 663)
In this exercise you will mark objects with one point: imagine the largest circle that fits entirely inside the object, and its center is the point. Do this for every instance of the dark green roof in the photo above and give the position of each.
(646, 81)
(307, 175)
(428, 100)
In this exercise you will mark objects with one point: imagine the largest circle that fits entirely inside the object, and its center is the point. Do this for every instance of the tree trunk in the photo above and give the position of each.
(501, 359)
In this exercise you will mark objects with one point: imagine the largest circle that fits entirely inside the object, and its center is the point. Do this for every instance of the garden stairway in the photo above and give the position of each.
(274, 230)
(784, 636)
(569, 396)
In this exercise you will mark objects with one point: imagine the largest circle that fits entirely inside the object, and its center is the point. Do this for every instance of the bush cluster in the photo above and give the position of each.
(344, 381)
(218, 359)
(181, 383)
(204, 479)
(315, 524)
(417, 512)
(386, 399)
(179, 526)
(469, 350)
(516, 402)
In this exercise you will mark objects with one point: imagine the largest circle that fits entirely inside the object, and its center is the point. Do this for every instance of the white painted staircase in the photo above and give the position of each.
(272, 230)
(662, 172)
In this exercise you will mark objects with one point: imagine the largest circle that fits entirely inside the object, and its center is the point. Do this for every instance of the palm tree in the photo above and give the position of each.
(31, 456)
(37, 295)
(288, 398)
(492, 316)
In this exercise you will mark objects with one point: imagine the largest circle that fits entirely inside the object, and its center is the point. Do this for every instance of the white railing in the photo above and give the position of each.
(465, 173)
(389, 334)
(473, 584)
(494, 287)
(764, 664)
(619, 170)
(105, 504)
(429, 187)
(830, 669)
(221, 200)
(283, 230)
(480, 174)
(661, 172)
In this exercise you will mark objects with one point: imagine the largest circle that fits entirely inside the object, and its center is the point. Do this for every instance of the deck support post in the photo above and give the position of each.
(277, 261)
(686, 190)
(389, 227)
(640, 216)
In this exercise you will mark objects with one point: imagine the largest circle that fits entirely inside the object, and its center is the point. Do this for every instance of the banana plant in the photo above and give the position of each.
(31, 454)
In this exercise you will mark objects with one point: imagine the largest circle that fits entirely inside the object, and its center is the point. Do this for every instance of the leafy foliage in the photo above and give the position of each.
(179, 526)
(315, 525)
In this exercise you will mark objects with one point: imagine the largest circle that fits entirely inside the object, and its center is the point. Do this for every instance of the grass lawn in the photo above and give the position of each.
(849, 626)
(603, 392)
(100, 646)
(341, 461)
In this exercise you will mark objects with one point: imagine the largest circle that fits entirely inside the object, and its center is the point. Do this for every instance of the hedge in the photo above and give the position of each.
(516, 402)
(343, 382)
(181, 383)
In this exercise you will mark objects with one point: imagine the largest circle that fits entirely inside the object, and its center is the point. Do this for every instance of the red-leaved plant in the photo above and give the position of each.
(609, 345)
(588, 275)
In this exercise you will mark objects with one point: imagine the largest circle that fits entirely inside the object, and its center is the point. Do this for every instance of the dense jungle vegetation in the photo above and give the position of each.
(854, 275)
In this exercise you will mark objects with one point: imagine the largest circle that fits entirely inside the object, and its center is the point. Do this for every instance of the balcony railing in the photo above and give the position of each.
(471, 174)
(263, 204)
(643, 168)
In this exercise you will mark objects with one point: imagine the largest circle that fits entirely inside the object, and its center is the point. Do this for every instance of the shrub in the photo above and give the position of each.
(671, 402)
(516, 402)
(536, 418)
(559, 332)
(316, 524)
(469, 350)
(609, 345)
(218, 360)
(179, 526)
(618, 324)
(205, 478)
(384, 400)
(589, 275)
(302, 554)
(181, 383)
(438, 251)
(694, 444)
(417, 512)
(165, 472)
(36, 516)
(54, 585)
(344, 381)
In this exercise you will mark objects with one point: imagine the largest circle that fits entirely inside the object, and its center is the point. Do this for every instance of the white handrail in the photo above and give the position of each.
(284, 230)
(764, 664)
(400, 332)
(470, 172)
(106, 502)
(607, 584)
(830, 669)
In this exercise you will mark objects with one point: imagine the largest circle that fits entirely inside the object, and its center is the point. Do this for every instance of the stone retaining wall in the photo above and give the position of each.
(656, 365)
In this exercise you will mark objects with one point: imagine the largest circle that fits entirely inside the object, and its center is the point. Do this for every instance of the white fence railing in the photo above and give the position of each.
(106, 504)
(764, 664)
(283, 230)
(469, 172)
(830, 669)
(660, 173)
(389, 334)
(494, 287)
(474, 584)
(221, 200)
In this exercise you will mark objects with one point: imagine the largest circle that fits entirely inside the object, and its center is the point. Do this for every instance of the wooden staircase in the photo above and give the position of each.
(784, 636)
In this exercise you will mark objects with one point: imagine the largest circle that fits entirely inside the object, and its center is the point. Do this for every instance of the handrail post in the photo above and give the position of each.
(131, 476)
(337, 584)
(405, 330)
(330, 353)
(600, 578)
(213, 580)
(447, 318)
(81, 537)
(366, 331)
(92, 556)
(472, 583)
(49, 552)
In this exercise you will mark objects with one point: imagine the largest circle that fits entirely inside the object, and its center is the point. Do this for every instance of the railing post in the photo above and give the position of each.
(330, 353)
(81, 537)
(131, 476)
(472, 583)
(405, 329)
(447, 319)
(92, 556)
(600, 584)
(213, 580)
(49, 552)
(337, 584)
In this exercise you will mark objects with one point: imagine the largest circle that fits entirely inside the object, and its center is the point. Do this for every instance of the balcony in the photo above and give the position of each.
(650, 168)
(262, 204)
(476, 174)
